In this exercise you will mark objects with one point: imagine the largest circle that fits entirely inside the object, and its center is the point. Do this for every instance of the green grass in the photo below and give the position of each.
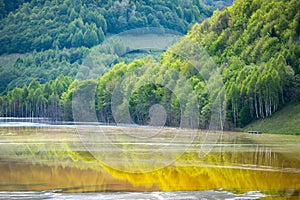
(285, 121)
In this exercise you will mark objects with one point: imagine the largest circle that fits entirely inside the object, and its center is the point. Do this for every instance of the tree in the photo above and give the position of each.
(100, 35)
(90, 38)
(77, 40)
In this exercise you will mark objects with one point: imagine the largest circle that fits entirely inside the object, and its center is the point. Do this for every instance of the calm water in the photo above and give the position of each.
(68, 162)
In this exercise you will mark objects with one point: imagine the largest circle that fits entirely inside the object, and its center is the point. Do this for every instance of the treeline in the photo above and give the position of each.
(55, 99)
(173, 83)
(45, 24)
(44, 83)
(17, 70)
(35, 100)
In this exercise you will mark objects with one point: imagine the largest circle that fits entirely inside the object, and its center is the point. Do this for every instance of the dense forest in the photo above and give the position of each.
(39, 39)
(254, 43)
(43, 24)
(7, 6)
(257, 45)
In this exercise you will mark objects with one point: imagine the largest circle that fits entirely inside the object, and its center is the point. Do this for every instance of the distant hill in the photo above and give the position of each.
(45, 24)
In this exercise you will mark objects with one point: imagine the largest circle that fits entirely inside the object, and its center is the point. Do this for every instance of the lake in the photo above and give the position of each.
(109, 162)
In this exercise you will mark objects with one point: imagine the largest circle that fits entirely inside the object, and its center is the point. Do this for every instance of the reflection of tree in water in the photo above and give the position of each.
(67, 164)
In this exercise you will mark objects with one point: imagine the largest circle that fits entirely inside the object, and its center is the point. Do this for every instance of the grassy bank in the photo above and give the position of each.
(285, 121)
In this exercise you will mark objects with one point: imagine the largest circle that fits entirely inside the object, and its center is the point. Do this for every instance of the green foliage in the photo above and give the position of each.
(35, 99)
(46, 25)
(260, 66)
(41, 66)
(7, 6)
(42, 25)
(256, 42)
(54, 34)
(142, 90)
(145, 97)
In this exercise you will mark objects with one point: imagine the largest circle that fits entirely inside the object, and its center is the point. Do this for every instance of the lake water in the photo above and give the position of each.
(75, 162)
(210, 194)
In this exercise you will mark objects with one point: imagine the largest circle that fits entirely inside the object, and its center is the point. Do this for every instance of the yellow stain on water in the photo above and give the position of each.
(48, 166)
(36, 177)
(78, 177)
(182, 178)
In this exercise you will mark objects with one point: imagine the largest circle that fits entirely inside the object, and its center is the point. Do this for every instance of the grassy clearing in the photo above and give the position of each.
(8, 60)
(285, 121)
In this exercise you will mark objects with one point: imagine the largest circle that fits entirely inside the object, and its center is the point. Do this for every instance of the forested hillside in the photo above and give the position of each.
(254, 43)
(258, 47)
(7, 6)
(52, 37)
(43, 24)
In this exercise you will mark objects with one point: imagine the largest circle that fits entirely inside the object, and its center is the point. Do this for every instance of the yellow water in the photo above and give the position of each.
(54, 158)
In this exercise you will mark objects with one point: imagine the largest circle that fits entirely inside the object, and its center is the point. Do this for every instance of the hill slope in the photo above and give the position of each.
(43, 24)
(285, 121)
(256, 45)
(256, 50)
(52, 37)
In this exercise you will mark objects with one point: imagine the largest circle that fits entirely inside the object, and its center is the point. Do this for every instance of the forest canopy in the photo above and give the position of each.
(255, 45)
(41, 39)
(43, 24)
